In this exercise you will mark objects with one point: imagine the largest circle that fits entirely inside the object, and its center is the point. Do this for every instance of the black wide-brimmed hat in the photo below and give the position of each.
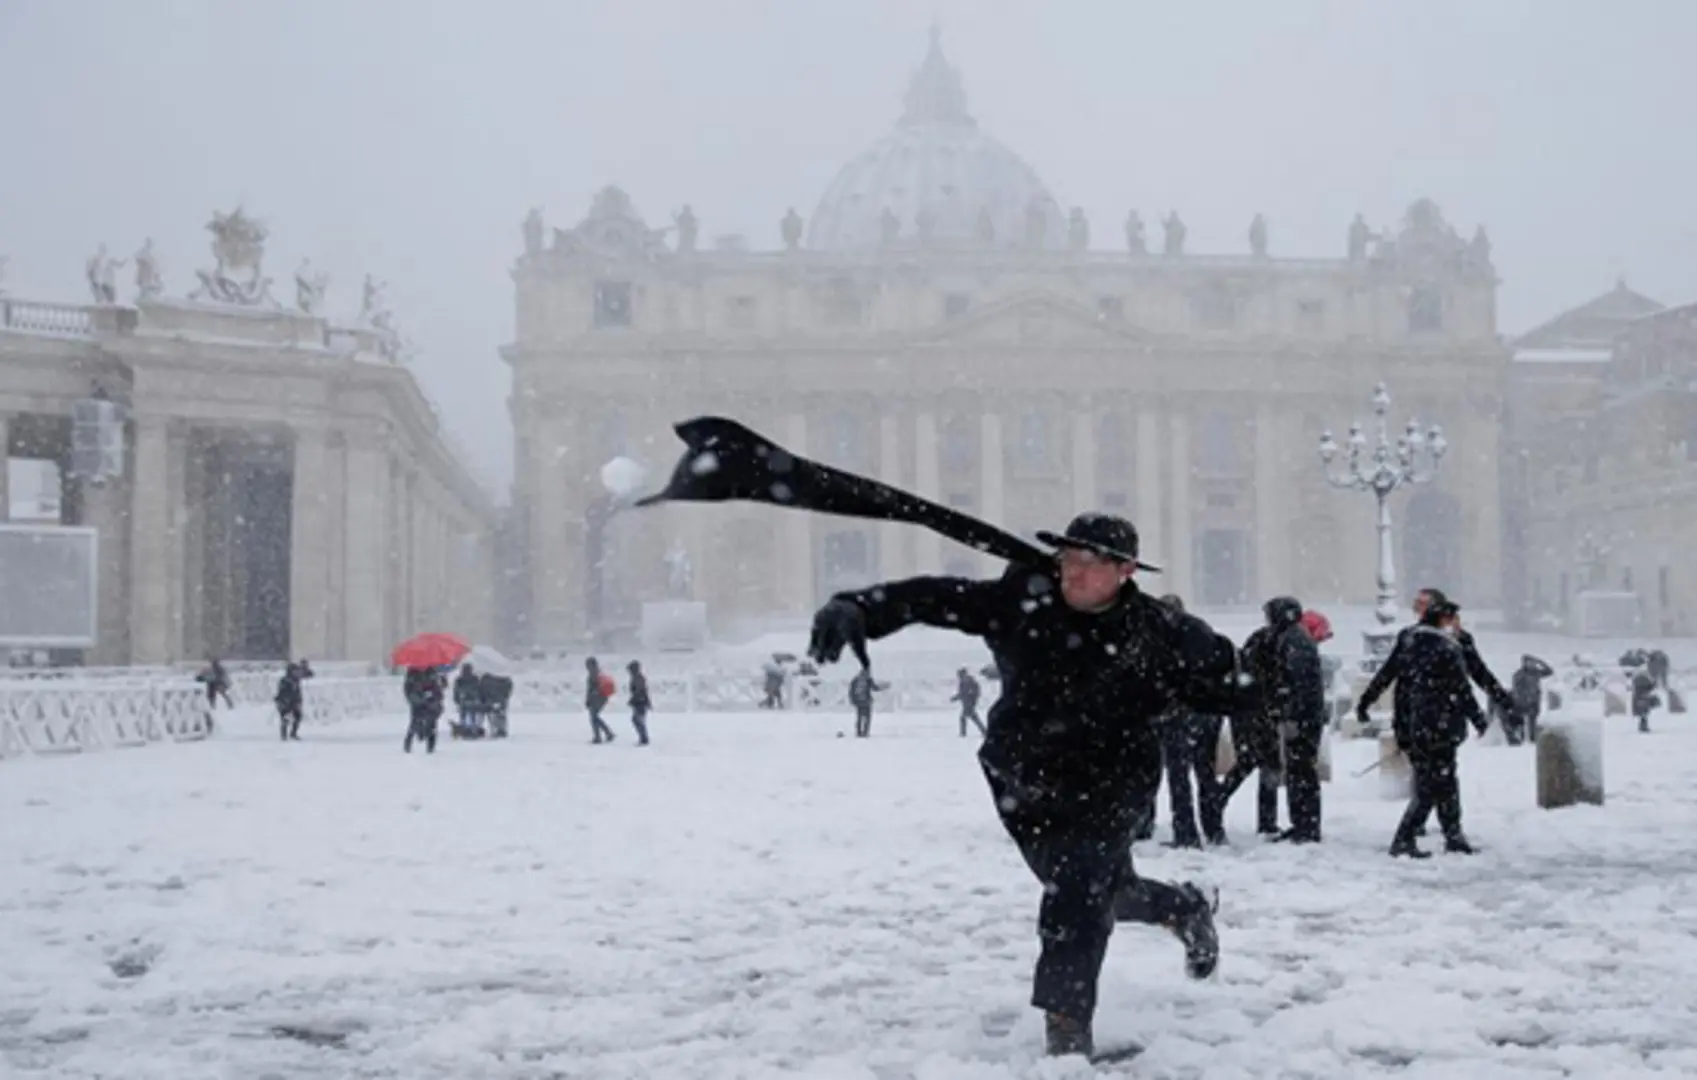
(1105, 534)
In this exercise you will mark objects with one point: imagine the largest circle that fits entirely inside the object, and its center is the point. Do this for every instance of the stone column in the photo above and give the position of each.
(1178, 577)
(5, 469)
(990, 477)
(1147, 502)
(891, 563)
(105, 508)
(927, 545)
(309, 548)
(1084, 426)
(1273, 502)
(196, 640)
(365, 549)
(150, 543)
(795, 536)
(176, 548)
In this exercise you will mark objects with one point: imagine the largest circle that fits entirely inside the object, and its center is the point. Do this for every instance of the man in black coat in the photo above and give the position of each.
(640, 703)
(1189, 739)
(1527, 689)
(1430, 668)
(290, 701)
(1256, 744)
(1293, 701)
(967, 692)
(422, 688)
(494, 693)
(1087, 663)
(468, 699)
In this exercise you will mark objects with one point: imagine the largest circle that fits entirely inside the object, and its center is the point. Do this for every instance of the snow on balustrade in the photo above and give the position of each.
(54, 320)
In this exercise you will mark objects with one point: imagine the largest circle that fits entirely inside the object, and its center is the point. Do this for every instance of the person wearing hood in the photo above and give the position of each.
(1088, 662)
(422, 688)
(1429, 667)
(290, 700)
(1645, 700)
(468, 699)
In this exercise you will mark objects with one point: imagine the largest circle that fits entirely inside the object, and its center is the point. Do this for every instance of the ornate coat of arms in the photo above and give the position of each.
(238, 243)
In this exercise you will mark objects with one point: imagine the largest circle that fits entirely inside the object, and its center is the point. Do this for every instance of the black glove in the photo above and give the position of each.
(838, 623)
(1361, 716)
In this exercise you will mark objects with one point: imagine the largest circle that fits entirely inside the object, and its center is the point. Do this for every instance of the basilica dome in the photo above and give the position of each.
(936, 180)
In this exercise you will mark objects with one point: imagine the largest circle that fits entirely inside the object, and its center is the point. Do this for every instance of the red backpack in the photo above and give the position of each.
(604, 683)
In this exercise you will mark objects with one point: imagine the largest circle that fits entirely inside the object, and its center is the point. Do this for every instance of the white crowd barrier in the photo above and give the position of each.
(64, 715)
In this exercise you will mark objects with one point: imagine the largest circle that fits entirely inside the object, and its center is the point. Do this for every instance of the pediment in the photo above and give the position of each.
(1033, 319)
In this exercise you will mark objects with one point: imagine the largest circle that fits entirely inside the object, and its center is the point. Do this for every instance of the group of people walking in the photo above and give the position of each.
(599, 690)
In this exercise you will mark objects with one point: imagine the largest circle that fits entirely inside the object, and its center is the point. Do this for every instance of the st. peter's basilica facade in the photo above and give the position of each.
(941, 322)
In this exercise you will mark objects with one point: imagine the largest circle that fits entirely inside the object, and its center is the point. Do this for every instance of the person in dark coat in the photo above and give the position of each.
(967, 692)
(1294, 704)
(1659, 666)
(217, 682)
(290, 701)
(1644, 697)
(860, 696)
(1255, 744)
(423, 689)
(468, 699)
(1189, 739)
(595, 698)
(640, 703)
(1527, 689)
(1087, 663)
(494, 693)
(1430, 670)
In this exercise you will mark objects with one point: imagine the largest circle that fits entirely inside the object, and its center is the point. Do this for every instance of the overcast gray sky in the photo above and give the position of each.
(408, 137)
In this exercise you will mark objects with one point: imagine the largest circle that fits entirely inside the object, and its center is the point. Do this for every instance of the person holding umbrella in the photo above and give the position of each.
(423, 657)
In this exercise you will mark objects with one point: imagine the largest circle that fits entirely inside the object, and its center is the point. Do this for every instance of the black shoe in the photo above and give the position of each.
(1218, 838)
(1196, 929)
(1408, 849)
(1063, 1035)
(1185, 842)
(1299, 836)
(1458, 845)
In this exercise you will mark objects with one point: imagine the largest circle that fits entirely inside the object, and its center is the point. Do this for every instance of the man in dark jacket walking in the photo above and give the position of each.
(468, 699)
(423, 690)
(1087, 663)
(595, 698)
(967, 692)
(1256, 744)
(1294, 704)
(1429, 666)
(290, 701)
(639, 702)
(1644, 696)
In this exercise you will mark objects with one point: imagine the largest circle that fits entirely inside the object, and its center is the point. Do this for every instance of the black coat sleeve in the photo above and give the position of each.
(1482, 677)
(1305, 699)
(1205, 667)
(1388, 673)
(978, 608)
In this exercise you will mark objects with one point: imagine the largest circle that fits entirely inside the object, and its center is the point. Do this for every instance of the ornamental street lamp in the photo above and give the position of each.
(1381, 469)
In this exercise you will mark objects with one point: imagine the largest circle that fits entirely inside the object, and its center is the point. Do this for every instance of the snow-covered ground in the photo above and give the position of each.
(752, 896)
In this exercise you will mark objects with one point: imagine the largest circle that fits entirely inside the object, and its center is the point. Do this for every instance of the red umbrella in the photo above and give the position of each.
(429, 650)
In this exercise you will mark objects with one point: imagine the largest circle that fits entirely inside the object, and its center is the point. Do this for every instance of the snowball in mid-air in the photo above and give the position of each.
(622, 477)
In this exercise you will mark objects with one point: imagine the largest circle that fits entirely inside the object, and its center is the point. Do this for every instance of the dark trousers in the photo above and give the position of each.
(970, 712)
(422, 728)
(1084, 864)
(1188, 748)
(1644, 721)
(1435, 788)
(1302, 781)
(214, 692)
(289, 721)
(862, 721)
(1257, 746)
(597, 726)
(639, 721)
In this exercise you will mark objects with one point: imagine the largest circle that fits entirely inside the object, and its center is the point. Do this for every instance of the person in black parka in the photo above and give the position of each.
(1645, 700)
(1293, 697)
(1189, 741)
(290, 701)
(494, 692)
(640, 703)
(1255, 744)
(967, 692)
(1430, 669)
(860, 697)
(1087, 662)
(468, 699)
(423, 688)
